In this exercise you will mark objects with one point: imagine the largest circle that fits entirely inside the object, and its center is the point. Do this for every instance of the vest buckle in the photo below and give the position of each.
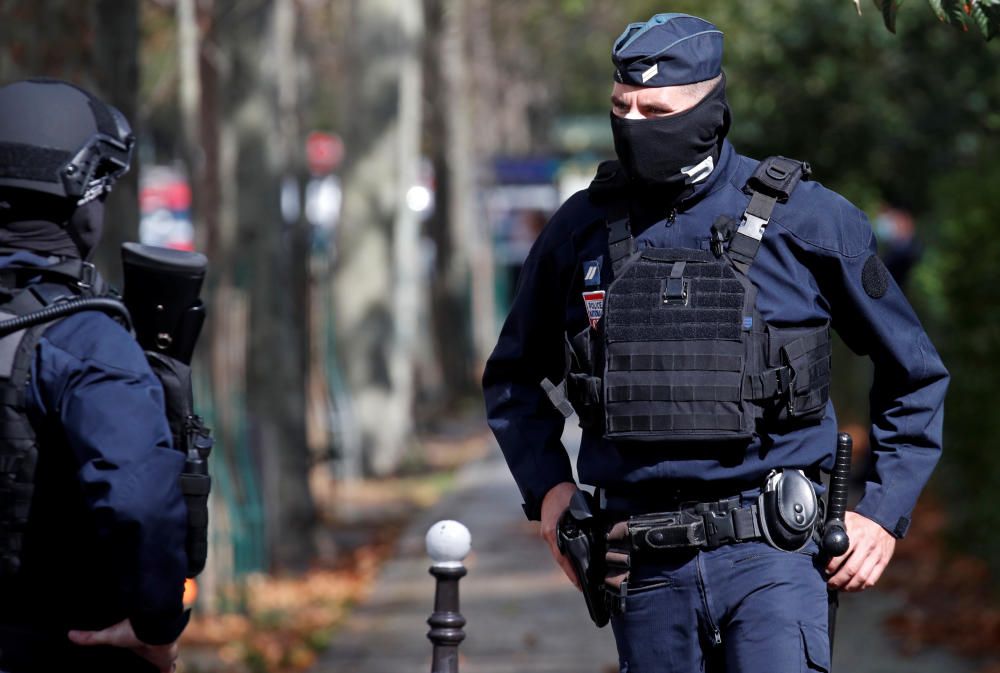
(88, 274)
(675, 291)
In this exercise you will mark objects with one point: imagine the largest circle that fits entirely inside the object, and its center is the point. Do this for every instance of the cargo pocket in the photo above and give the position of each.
(804, 353)
(815, 648)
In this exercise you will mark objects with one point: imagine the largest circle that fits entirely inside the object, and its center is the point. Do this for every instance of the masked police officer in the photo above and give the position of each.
(92, 519)
(682, 307)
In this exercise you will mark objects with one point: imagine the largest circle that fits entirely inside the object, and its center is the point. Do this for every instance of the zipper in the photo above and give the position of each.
(672, 217)
(715, 634)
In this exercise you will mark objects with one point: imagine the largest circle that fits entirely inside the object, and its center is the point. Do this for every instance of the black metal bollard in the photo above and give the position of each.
(448, 543)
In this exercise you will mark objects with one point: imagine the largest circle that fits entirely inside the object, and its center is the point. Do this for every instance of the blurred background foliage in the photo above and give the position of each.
(331, 350)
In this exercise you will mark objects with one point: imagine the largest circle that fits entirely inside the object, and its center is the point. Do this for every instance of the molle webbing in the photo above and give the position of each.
(675, 423)
(809, 358)
(676, 361)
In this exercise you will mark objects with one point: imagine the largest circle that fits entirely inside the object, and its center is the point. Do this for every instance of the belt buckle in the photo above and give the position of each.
(719, 528)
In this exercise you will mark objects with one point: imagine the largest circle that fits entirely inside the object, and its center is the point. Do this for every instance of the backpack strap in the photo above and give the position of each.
(773, 182)
(75, 273)
(18, 447)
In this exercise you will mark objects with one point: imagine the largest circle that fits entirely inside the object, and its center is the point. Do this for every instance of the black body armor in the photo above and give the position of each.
(681, 354)
(70, 281)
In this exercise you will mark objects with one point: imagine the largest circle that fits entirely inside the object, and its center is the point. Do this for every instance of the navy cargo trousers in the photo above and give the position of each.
(740, 608)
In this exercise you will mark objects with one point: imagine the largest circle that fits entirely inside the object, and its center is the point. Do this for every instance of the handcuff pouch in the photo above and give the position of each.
(788, 510)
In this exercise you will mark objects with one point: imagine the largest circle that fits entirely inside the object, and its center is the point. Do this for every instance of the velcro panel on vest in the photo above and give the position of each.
(713, 310)
(674, 369)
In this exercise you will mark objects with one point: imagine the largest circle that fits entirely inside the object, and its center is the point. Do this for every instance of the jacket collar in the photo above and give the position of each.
(728, 163)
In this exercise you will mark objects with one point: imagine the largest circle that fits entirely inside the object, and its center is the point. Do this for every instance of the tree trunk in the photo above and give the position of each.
(375, 286)
(452, 226)
(483, 71)
(116, 79)
(261, 36)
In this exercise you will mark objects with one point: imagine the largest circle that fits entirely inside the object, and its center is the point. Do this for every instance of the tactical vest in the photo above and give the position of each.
(26, 311)
(677, 352)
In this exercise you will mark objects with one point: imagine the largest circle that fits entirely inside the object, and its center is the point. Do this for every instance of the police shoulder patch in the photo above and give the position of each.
(875, 277)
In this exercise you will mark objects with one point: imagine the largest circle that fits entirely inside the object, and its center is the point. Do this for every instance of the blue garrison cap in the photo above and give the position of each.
(668, 50)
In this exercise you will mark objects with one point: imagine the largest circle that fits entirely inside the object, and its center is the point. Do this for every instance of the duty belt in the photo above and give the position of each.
(703, 525)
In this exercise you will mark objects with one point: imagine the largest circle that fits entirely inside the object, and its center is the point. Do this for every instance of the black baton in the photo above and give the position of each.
(835, 540)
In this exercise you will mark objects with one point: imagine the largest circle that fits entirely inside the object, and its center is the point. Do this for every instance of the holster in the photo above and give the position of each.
(580, 540)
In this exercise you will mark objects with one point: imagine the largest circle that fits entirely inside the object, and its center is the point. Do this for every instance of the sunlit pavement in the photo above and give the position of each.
(524, 617)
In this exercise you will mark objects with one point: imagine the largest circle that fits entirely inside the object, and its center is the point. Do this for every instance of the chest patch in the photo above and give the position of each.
(592, 272)
(594, 301)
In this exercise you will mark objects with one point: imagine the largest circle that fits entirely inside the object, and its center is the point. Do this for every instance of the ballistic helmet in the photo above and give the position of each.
(57, 139)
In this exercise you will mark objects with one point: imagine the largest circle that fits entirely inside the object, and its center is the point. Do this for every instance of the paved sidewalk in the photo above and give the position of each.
(524, 617)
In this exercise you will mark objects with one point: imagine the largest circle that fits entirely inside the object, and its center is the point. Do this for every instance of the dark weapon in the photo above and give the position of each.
(162, 290)
(835, 540)
(578, 541)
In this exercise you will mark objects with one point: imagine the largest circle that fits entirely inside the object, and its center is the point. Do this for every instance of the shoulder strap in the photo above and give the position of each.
(24, 302)
(621, 244)
(76, 273)
(18, 449)
(608, 190)
(54, 292)
(773, 182)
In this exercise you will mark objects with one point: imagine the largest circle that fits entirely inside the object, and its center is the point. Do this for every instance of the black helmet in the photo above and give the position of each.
(56, 138)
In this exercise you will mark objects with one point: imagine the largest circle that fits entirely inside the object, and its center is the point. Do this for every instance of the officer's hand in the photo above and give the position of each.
(164, 657)
(555, 502)
(871, 548)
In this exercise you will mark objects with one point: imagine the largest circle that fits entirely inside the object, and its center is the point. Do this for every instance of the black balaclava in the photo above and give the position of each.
(49, 226)
(656, 152)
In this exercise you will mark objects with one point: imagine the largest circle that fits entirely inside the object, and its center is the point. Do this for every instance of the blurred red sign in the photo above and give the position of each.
(324, 152)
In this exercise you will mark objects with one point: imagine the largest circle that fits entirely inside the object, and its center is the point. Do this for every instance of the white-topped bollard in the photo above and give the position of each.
(448, 543)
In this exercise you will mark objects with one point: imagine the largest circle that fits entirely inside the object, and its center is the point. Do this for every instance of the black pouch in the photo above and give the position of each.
(584, 389)
(788, 510)
(192, 439)
(804, 355)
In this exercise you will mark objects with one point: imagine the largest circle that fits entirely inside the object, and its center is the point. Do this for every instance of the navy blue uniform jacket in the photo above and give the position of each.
(106, 534)
(808, 271)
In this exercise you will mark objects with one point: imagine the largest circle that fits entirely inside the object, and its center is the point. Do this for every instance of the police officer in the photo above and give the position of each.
(93, 579)
(681, 305)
